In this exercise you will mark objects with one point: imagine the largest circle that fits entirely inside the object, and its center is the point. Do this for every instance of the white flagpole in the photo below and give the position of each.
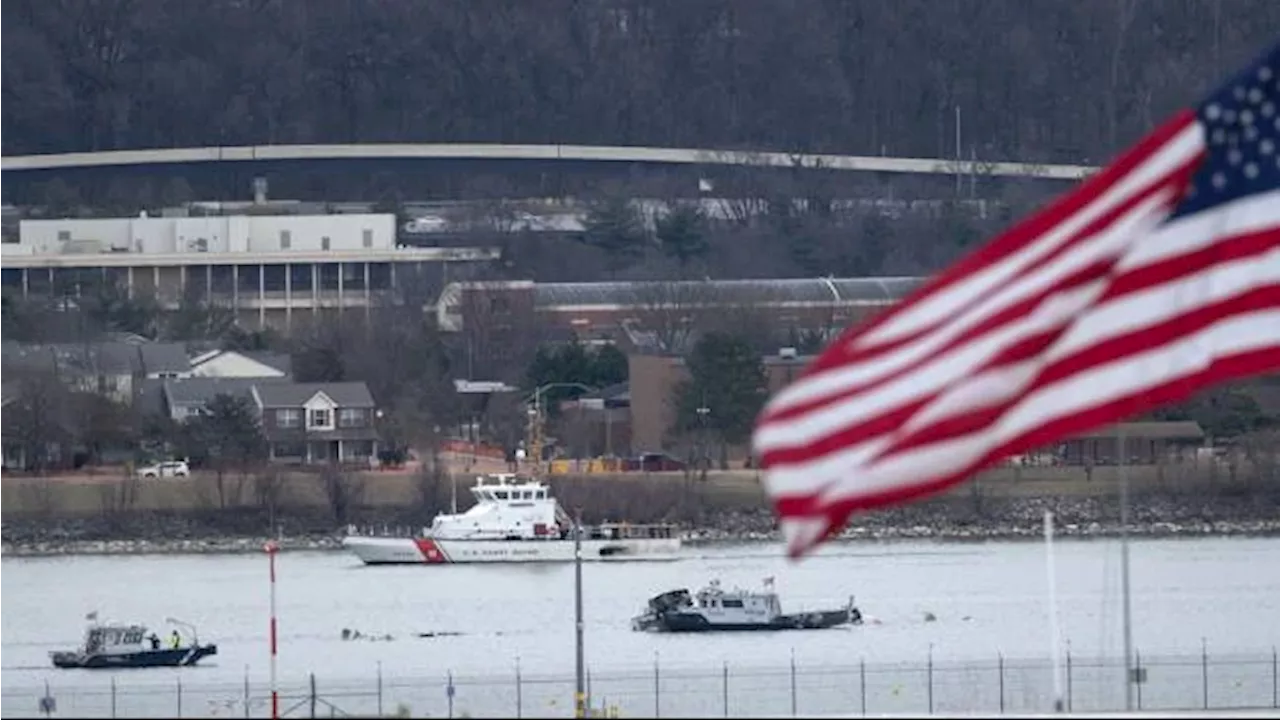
(1124, 570)
(1054, 638)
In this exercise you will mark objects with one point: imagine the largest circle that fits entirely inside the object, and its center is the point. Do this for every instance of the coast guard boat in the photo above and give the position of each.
(513, 520)
(131, 646)
(713, 609)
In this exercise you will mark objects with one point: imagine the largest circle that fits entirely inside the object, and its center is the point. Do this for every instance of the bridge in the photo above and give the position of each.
(578, 153)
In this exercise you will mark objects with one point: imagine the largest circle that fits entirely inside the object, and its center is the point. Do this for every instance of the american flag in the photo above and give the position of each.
(1157, 277)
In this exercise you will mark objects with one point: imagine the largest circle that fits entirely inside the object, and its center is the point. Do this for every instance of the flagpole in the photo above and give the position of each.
(1054, 637)
(1124, 570)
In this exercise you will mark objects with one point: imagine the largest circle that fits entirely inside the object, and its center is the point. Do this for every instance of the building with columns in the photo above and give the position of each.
(267, 268)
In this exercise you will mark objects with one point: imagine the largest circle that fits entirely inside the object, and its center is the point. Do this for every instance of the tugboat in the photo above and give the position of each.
(712, 609)
(131, 646)
(513, 520)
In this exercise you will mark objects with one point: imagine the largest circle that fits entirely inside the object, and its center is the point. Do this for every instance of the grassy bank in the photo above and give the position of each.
(633, 496)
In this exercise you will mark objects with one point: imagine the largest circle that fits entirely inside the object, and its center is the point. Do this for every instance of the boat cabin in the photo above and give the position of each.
(507, 488)
(507, 508)
(512, 508)
(713, 599)
(106, 639)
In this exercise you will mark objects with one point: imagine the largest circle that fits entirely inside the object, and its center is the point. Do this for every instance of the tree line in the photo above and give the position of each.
(1040, 80)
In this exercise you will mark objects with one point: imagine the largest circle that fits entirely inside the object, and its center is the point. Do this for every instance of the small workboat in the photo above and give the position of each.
(713, 609)
(132, 646)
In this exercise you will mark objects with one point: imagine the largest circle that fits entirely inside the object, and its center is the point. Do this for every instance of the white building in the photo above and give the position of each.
(267, 268)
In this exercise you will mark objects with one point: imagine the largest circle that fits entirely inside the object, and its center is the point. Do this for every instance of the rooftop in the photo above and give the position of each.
(287, 394)
(15, 261)
(851, 291)
(199, 390)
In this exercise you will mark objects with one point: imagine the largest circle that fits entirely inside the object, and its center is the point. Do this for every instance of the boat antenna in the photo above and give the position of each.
(195, 638)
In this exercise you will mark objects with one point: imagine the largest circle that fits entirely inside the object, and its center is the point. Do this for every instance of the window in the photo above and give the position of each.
(288, 418)
(320, 419)
(64, 235)
(367, 237)
(324, 243)
(286, 239)
(733, 603)
(351, 417)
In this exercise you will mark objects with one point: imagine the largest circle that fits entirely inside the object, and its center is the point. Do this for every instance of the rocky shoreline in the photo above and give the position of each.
(949, 521)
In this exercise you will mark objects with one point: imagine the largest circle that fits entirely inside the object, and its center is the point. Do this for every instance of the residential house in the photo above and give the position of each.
(241, 364)
(318, 422)
(187, 398)
(114, 369)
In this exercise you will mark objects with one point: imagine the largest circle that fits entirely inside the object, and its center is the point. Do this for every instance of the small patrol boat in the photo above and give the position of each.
(131, 646)
(713, 609)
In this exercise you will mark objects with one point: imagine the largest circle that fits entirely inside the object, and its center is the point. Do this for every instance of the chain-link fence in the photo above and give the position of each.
(665, 690)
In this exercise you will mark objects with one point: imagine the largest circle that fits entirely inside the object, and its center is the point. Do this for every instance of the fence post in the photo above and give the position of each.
(1000, 666)
(1070, 701)
(1204, 672)
(246, 691)
(657, 687)
(313, 694)
(519, 691)
(724, 689)
(380, 689)
(1137, 671)
(113, 697)
(930, 674)
(1275, 680)
(862, 682)
(448, 691)
(793, 682)
(179, 713)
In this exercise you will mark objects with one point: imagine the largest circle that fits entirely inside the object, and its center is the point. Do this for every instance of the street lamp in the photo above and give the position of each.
(580, 688)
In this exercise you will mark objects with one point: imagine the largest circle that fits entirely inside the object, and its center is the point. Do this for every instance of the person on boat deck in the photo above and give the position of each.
(175, 641)
(155, 641)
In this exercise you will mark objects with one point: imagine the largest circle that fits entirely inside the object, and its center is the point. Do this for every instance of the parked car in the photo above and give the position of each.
(426, 224)
(654, 462)
(170, 468)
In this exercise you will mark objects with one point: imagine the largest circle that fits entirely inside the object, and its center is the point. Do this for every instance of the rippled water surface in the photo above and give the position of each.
(989, 601)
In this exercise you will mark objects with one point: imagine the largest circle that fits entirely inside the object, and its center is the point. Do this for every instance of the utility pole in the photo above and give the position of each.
(580, 695)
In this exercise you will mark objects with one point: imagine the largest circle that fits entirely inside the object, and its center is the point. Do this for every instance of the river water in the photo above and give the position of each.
(983, 650)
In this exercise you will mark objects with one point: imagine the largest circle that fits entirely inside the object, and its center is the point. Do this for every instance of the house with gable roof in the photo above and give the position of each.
(317, 423)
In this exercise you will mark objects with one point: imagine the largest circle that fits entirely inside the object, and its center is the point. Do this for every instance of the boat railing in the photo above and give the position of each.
(640, 531)
(384, 530)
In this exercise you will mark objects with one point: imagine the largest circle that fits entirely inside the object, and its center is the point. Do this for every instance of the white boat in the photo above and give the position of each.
(513, 520)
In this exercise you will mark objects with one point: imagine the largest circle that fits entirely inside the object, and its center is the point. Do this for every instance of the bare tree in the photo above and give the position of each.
(344, 491)
(268, 488)
(39, 420)
(672, 311)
